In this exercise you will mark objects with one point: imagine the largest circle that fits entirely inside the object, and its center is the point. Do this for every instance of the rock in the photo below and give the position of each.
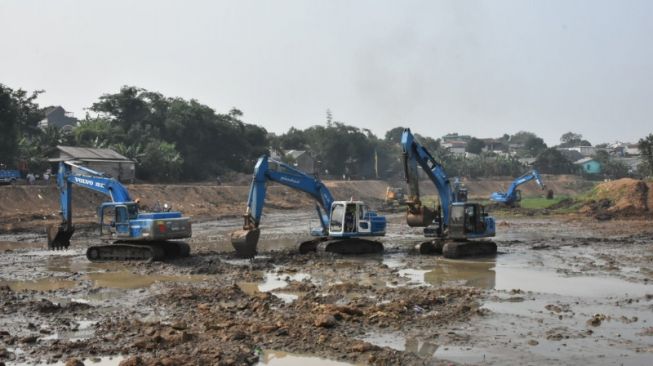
(29, 339)
(132, 361)
(74, 362)
(179, 325)
(533, 342)
(595, 321)
(325, 321)
(362, 347)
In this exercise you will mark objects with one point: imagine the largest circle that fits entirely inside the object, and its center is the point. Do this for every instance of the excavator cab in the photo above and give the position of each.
(466, 220)
(350, 218)
(120, 215)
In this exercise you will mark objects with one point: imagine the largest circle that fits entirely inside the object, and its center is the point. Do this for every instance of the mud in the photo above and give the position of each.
(560, 291)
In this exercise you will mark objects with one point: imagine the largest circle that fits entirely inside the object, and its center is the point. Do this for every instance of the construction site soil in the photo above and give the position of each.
(564, 289)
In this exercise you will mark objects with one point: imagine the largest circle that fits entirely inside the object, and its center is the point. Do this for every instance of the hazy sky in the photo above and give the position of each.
(476, 67)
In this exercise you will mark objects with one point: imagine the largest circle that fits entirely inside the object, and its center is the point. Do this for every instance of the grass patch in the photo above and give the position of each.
(540, 203)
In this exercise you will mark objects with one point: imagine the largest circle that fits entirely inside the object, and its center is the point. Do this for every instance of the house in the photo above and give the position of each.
(103, 160)
(456, 137)
(58, 117)
(632, 149)
(589, 165)
(583, 150)
(302, 160)
(456, 147)
(494, 145)
(631, 162)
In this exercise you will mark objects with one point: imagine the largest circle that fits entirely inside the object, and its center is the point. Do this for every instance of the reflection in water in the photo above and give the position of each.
(422, 348)
(271, 358)
(128, 280)
(398, 341)
(43, 284)
(468, 273)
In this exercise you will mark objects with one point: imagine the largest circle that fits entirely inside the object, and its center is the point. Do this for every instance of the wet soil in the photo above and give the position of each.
(560, 291)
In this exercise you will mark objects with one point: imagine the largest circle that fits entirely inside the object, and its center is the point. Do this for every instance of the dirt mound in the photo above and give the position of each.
(620, 198)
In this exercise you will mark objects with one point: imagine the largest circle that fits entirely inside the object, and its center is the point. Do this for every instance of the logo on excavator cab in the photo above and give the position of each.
(89, 182)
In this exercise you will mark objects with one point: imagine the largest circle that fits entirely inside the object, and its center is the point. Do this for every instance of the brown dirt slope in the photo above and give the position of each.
(622, 197)
(27, 206)
(21, 205)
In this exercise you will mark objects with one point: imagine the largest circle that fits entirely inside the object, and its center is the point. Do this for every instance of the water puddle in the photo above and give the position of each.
(128, 280)
(15, 245)
(82, 330)
(279, 358)
(399, 342)
(275, 281)
(509, 272)
(44, 284)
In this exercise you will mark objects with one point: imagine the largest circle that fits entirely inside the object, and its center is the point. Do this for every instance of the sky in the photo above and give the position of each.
(483, 68)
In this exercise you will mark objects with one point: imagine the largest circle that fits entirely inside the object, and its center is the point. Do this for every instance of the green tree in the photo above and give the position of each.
(160, 161)
(646, 150)
(534, 146)
(475, 146)
(394, 135)
(19, 117)
(571, 139)
(551, 161)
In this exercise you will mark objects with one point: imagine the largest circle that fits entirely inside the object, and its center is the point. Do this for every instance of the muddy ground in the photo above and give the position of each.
(561, 291)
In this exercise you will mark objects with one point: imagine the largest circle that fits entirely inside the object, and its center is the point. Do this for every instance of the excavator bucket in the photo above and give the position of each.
(59, 237)
(244, 242)
(420, 217)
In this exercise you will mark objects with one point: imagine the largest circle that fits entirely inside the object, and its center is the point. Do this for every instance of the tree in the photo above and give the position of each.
(551, 161)
(571, 139)
(646, 150)
(521, 137)
(19, 117)
(160, 161)
(394, 135)
(208, 143)
(534, 146)
(475, 146)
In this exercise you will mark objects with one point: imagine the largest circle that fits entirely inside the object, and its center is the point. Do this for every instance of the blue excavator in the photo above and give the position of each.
(513, 195)
(344, 225)
(135, 235)
(455, 221)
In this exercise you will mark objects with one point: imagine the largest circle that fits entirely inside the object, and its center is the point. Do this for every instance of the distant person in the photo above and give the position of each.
(30, 179)
(46, 176)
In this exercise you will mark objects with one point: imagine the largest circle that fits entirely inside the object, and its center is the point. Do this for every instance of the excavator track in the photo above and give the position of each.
(462, 249)
(127, 251)
(341, 246)
(457, 249)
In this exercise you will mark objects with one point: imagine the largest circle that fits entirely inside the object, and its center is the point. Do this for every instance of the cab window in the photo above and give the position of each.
(337, 214)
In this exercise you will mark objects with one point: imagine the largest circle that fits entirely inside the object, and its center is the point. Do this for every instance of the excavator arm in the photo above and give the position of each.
(245, 240)
(414, 154)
